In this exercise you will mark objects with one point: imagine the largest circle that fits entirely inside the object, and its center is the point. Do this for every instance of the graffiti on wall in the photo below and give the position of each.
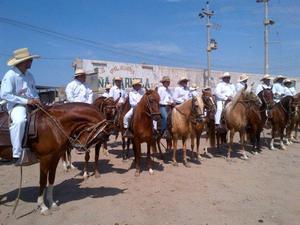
(126, 83)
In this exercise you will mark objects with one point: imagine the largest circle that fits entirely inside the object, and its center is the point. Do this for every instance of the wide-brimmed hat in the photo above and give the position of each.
(136, 82)
(206, 88)
(118, 78)
(20, 55)
(279, 77)
(183, 79)
(243, 77)
(226, 74)
(165, 78)
(285, 81)
(79, 72)
(108, 86)
(266, 77)
(194, 87)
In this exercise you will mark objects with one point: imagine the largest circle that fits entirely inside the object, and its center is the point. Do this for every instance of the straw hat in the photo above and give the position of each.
(136, 81)
(226, 74)
(193, 87)
(279, 77)
(118, 78)
(165, 78)
(206, 88)
(108, 86)
(266, 77)
(183, 79)
(79, 72)
(285, 81)
(20, 55)
(243, 77)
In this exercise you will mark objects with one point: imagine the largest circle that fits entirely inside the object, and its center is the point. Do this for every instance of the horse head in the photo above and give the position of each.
(197, 108)
(152, 104)
(267, 98)
(208, 101)
(107, 106)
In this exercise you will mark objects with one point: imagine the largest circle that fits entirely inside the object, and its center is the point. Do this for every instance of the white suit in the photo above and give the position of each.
(115, 92)
(181, 94)
(134, 99)
(16, 89)
(261, 87)
(223, 91)
(289, 91)
(240, 86)
(278, 91)
(79, 92)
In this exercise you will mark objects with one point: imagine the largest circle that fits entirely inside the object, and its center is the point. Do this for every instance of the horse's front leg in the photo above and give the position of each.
(231, 135)
(159, 148)
(105, 149)
(282, 146)
(149, 161)
(86, 163)
(242, 138)
(137, 156)
(70, 165)
(97, 153)
(44, 169)
(51, 179)
(272, 138)
(174, 152)
(185, 162)
(193, 146)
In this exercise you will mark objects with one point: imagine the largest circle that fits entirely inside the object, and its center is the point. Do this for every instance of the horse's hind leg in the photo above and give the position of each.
(96, 168)
(231, 134)
(185, 162)
(44, 168)
(52, 171)
(242, 137)
(281, 140)
(64, 161)
(105, 151)
(159, 149)
(174, 152)
(70, 165)
(86, 163)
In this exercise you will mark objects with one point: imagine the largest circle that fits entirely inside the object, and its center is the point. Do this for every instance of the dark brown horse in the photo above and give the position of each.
(145, 127)
(281, 114)
(266, 97)
(60, 127)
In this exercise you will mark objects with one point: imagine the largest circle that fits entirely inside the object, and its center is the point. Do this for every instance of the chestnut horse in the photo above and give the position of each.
(146, 126)
(181, 122)
(207, 123)
(59, 127)
(281, 115)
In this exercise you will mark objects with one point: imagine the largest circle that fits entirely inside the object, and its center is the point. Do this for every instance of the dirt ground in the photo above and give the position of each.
(262, 190)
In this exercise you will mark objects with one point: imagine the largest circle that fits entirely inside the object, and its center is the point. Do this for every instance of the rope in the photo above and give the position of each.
(19, 191)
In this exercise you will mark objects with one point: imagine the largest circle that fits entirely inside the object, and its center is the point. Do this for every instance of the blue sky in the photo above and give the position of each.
(165, 32)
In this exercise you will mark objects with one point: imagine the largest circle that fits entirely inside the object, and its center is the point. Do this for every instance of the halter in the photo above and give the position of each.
(194, 117)
(150, 112)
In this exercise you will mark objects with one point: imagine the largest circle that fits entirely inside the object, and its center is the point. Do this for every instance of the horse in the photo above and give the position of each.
(293, 124)
(60, 127)
(207, 123)
(241, 112)
(281, 114)
(181, 122)
(266, 97)
(146, 122)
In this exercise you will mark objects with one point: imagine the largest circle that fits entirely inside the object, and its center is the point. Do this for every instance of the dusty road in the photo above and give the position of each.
(263, 190)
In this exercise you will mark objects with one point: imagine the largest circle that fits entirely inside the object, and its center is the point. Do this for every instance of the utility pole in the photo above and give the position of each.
(267, 22)
(211, 43)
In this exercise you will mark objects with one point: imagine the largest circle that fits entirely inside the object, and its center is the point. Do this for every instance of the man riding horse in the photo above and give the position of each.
(265, 84)
(278, 88)
(242, 83)
(18, 89)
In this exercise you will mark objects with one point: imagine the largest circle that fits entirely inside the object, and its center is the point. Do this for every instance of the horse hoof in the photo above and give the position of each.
(244, 157)
(209, 155)
(54, 207)
(73, 167)
(175, 164)
(255, 153)
(137, 173)
(283, 147)
(46, 212)
(151, 172)
(187, 165)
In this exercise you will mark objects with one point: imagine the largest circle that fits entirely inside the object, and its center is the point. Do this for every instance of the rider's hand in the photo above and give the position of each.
(34, 101)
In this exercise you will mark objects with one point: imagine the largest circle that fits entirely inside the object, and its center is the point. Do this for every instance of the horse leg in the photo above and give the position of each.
(44, 168)
(149, 161)
(124, 153)
(70, 165)
(185, 162)
(159, 148)
(231, 134)
(64, 161)
(281, 140)
(137, 157)
(192, 146)
(86, 163)
(242, 137)
(97, 152)
(105, 151)
(174, 152)
(51, 179)
(272, 139)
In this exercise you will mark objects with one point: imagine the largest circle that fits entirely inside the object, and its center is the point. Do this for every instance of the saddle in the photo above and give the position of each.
(30, 130)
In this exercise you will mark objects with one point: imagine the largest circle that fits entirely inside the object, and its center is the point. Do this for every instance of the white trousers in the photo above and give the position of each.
(219, 112)
(127, 118)
(17, 128)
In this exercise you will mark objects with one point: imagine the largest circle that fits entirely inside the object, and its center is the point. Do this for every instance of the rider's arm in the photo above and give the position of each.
(69, 92)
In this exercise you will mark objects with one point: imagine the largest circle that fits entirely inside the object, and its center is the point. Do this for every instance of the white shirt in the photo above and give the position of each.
(239, 86)
(181, 94)
(194, 93)
(115, 92)
(135, 97)
(165, 95)
(278, 91)
(261, 87)
(17, 88)
(224, 90)
(289, 91)
(79, 92)
(105, 94)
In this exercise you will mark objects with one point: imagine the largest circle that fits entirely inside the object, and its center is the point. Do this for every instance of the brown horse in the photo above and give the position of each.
(281, 115)
(145, 116)
(208, 124)
(238, 115)
(266, 97)
(59, 127)
(293, 125)
(181, 122)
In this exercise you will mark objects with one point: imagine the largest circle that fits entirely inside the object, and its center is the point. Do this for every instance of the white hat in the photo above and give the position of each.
(20, 55)
(183, 79)
(278, 77)
(206, 88)
(165, 78)
(118, 78)
(243, 77)
(193, 87)
(79, 72)
(108, 86)
(266, 77)
(287, 81)
(136, 81)
(226, 74)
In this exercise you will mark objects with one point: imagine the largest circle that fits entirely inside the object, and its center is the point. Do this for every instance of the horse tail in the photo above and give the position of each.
(211, 132)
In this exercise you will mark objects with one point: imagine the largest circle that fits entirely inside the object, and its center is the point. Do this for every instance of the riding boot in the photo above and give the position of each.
(128, 133)
(27, 158)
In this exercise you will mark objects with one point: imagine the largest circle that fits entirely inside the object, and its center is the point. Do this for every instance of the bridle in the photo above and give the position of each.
(104, 107)
(149, 111)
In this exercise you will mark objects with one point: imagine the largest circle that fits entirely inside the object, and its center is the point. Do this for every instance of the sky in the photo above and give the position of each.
(163, 32)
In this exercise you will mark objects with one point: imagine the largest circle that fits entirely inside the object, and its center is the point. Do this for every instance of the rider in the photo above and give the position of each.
(193, 90)
(224, 92)
(134, 97)
(107, 88)
(242, 83)
(117, 92)
(181, 93)
(77, 90)
(166, 102)
(18, 89)
(265, 84)
(289, 90)
(278, 88)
